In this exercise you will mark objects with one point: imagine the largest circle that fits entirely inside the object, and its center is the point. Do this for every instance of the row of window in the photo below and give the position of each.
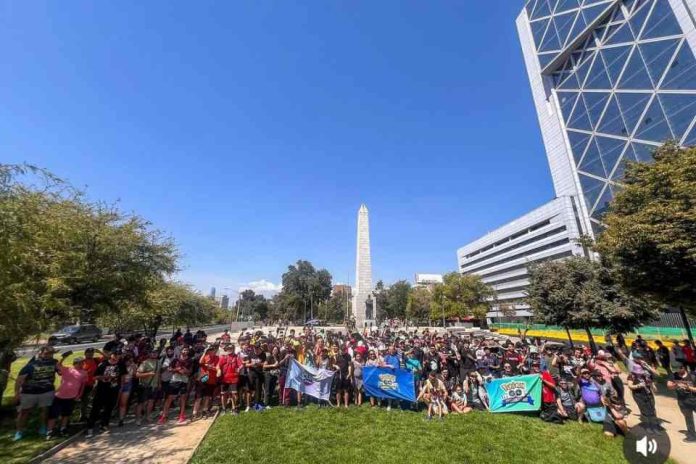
(538, 238)
(521, 255)
(510, 238)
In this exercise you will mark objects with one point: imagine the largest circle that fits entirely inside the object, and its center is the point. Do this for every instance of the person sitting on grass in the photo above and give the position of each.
(458, 402)
(34, 388)
(473, 388)
(569, 397)
(433, 394)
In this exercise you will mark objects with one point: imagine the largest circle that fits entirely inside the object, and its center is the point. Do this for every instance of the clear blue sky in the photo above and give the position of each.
(252, 130)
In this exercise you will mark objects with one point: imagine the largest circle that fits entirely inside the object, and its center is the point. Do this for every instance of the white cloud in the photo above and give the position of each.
(263, 286)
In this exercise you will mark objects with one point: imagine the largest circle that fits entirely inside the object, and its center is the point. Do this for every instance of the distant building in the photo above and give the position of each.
(342, 289)
(427, 280)
(212, 293)
(225, 302)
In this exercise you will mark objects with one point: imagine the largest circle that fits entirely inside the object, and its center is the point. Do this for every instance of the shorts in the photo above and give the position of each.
(243, 383)
(610, 426)
(34, 400)
(177, 388)
(344, 384)
(205, 390)
(61, 407)
(228, 388)
(127, 387)
(358, 385)
(571, 412)
(144, 394)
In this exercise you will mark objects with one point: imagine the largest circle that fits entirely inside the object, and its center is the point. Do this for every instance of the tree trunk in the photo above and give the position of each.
(687, 326)
(570, 339)
(593, 345)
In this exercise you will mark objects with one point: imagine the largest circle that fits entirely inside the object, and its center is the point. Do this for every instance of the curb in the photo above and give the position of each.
(200, 440)
(47, 454)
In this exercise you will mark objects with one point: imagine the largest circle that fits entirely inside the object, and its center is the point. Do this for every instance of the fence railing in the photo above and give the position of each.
(647, 332)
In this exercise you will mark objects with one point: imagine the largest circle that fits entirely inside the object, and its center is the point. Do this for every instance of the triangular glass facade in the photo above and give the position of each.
(626, 86)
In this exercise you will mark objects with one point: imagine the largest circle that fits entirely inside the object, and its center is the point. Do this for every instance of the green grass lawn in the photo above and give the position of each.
(32, 445)
(314, 435)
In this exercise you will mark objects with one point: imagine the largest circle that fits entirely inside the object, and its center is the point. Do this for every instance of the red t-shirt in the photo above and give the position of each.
(548, 394)
(688, 354)
(90, 367)
(208, 366)
(229, 365)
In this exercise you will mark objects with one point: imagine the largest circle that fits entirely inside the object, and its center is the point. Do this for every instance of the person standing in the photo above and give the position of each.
(181, 369)
(662, 354)
(148, 375)
(34, 388)
(72, 383)
(271, 367)
(228, 372)
(206, 384)
(89, 365)
(108, 375)
(684, 383)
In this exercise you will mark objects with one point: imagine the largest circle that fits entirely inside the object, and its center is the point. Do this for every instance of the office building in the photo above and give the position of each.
(611, 80)
(427, 280)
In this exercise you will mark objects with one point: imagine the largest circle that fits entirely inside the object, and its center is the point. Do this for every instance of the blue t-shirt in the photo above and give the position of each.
(392, 360)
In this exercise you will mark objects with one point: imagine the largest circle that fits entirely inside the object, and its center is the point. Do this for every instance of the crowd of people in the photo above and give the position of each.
(188, 372)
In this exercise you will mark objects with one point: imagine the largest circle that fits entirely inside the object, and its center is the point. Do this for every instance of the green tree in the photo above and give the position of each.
(578, 293)
(461, 296)
(382, 299)
(397, 299)
(418, 307)
(650, 235)
(305, 288)
(253, 306)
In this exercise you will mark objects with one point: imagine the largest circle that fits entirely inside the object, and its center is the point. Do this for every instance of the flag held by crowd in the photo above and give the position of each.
(386, 382)
(514, 394)
(309, 380)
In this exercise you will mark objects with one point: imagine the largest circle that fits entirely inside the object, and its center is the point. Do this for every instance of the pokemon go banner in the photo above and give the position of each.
(513, 394)
(385, 382)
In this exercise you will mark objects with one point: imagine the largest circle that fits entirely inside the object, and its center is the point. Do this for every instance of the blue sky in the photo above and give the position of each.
(252, 131)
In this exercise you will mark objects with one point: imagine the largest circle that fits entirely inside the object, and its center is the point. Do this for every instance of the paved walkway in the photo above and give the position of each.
(673, 422)
(147, 444)
(171, 444)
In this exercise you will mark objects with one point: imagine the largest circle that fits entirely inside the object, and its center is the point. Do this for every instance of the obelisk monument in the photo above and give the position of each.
(364, 307)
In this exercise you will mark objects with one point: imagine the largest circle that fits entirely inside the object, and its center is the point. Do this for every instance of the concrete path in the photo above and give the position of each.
(171, 444)
(673, 422)
(147, 444)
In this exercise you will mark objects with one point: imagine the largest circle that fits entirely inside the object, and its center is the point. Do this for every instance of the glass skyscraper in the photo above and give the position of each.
(611, 80)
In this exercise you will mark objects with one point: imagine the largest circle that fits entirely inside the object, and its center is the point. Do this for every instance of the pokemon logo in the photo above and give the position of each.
(387, 382)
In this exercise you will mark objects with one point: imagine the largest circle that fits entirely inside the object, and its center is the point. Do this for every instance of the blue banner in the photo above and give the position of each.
(386, 382)
(513, 394)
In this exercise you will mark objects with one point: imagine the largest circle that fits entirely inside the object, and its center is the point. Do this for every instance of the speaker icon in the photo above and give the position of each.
(645, 446)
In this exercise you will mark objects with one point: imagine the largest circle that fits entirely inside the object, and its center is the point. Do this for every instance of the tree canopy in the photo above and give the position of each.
(461, 296)
(579, 293)
(304, 289)
(650, 235)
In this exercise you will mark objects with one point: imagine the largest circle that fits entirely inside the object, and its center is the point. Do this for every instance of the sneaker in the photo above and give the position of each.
(235, 413)
(388, 408)
(690, 439)
(223, 412)
(43, 430)
(247, 409)
(162, 420)
(18, 436)
(89, 434)
(268, 407)
(182, 420)
(138, 422)
(49, 435)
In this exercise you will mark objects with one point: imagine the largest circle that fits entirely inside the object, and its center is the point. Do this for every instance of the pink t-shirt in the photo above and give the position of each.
(72, 382)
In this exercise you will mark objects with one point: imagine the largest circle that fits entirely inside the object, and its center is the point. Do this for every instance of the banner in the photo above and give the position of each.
(385, 382)
(514, 394)
(309, 380)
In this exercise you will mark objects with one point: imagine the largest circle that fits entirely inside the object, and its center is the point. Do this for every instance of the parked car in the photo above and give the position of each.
(314, 322)
(75, 334)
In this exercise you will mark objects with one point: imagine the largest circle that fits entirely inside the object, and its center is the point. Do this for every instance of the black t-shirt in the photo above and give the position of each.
(40, 376)
(113, 372)
(468, 362)
(690, 380)
(257, 360)
(112, 346)
(343, 363)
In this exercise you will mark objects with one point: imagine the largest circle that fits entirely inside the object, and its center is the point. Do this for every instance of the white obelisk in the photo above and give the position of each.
(363, 273)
